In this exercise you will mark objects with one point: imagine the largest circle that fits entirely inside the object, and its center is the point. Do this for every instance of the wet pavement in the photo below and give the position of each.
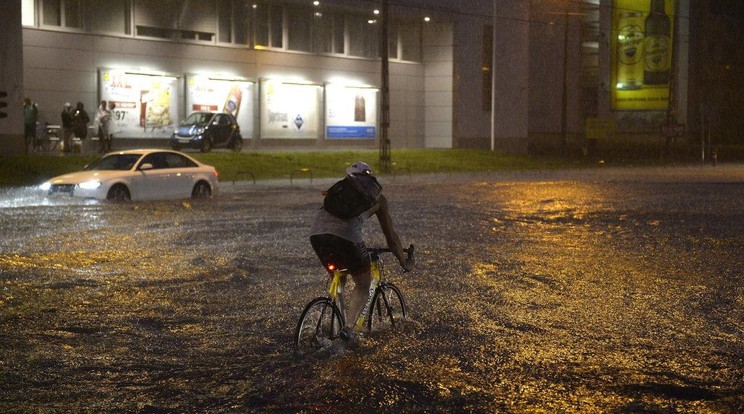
(603, 290)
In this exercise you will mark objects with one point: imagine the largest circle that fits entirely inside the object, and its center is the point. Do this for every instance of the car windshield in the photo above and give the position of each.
(120, 162)
(197, 118)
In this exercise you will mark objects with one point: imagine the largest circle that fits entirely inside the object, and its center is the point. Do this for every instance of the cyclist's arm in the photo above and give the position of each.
(388, 229)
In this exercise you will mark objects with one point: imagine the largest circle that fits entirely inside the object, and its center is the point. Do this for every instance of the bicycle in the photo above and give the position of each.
(47, 137)
(323, 318)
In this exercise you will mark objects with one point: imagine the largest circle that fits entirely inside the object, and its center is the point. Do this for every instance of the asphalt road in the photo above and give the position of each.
(602, 290)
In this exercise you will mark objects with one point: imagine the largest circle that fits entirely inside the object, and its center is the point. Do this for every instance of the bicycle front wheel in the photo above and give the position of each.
(388, 308)
(320, 323)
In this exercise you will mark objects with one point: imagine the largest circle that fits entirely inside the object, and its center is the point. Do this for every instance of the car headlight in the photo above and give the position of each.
(200, 131)
(46, 186)
(90, 185)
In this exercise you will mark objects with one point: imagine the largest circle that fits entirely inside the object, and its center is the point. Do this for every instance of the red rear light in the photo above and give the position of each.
(215, 173)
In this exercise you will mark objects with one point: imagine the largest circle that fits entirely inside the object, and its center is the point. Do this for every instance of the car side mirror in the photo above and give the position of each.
(145, 166)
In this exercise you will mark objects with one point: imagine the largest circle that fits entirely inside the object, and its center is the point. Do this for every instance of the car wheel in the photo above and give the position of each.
(206, 145)
(119, 192)
(237, 145)
(201, 190)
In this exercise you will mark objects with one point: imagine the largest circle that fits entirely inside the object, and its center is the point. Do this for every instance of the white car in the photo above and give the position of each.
(146, 174)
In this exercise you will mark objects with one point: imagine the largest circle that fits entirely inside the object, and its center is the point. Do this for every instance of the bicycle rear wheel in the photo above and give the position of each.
(319, 324)
(388, 308)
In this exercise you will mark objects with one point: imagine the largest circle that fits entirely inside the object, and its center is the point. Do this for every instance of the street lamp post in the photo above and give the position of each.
(564, 96)
(385, 104)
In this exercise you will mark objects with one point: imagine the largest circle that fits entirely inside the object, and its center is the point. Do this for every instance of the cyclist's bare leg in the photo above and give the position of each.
(359, 296)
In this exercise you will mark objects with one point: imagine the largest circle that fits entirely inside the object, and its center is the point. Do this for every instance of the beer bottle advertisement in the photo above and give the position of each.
(232, 96)
(641, 50)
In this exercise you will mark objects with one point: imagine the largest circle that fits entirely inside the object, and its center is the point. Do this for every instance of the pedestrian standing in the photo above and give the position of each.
(30, 117)
(110, 127)
(66, 127)
(80, 121)
(101, 122)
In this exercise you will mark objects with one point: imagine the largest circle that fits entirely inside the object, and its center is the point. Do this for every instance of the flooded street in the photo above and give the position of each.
(604, 290)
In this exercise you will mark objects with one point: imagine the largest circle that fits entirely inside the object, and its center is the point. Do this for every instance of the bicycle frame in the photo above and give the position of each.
(338, 282)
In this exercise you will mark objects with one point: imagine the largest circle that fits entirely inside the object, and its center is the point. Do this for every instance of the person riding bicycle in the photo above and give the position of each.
(339, 242)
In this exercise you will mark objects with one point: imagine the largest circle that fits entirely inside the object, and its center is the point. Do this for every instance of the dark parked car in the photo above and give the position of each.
(207, 130)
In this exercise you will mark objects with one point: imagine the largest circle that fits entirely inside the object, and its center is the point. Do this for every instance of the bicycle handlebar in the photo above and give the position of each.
(377, 250)
(409, 250)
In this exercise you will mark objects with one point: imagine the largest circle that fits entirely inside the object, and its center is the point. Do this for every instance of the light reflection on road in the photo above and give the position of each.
(599, 291)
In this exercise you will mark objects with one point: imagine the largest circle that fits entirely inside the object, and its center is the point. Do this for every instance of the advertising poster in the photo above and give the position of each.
(351, 112)
(642, 53)
(221, 95)
(289, 110)
(146, 104)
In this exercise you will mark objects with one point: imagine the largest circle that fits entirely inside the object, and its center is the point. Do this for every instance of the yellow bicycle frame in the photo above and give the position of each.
(336, 290)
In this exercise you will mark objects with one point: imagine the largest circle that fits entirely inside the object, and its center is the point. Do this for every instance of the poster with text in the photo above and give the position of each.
(222, 95)
(289, 110)
(351, 112)
(146, 104)
(642, 54)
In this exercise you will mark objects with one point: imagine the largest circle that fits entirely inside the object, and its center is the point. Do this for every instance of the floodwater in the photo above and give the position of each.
(602, 290)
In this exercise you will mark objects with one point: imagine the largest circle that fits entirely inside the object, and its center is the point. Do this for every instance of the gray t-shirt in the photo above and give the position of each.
(326, 223)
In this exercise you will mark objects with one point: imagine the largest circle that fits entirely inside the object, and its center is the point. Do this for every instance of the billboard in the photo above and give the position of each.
(146, 103)
(290, 110)
(351, 112)
(204, 93)
(642, 54)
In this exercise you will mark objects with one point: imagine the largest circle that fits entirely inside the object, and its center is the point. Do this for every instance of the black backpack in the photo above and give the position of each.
(352, 196)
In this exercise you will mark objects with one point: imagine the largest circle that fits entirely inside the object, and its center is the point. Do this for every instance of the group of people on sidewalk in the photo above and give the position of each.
(74, 124)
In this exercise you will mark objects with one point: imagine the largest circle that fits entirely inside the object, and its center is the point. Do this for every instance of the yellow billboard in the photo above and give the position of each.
(642, 53)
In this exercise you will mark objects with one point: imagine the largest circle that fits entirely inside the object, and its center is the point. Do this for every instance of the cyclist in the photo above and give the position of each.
(339, 242)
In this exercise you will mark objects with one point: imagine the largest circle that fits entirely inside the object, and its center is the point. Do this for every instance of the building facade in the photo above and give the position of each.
(505, 74)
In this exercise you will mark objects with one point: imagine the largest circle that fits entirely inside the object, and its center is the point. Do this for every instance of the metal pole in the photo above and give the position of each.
(493, 81)
(385, 104)
(564, 97)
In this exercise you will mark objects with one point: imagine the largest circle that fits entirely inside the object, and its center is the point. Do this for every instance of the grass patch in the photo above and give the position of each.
(332, 163)
(33, 169)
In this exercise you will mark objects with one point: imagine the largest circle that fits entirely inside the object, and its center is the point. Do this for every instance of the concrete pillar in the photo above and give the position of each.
(11, 76)
(438, 91)
(511, 63)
